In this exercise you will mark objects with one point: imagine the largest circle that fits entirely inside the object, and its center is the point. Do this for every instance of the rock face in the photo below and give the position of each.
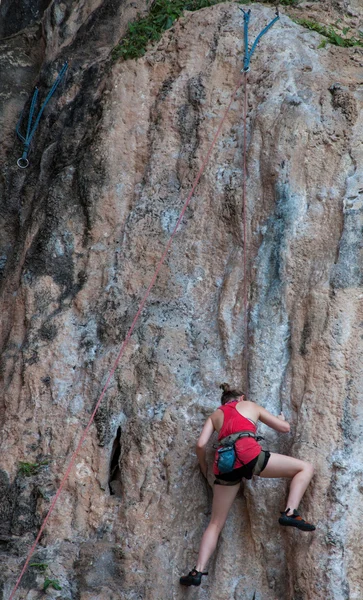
(82, 230)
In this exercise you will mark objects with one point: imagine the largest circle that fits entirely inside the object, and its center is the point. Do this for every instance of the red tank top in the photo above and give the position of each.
(246, 448)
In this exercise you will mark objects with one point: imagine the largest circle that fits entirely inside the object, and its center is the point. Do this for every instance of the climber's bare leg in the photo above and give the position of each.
(300, 471)
(223, 498)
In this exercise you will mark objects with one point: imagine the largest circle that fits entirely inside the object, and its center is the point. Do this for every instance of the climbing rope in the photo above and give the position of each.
(246, 67)
(153, 280)
(125, 342)
(245, 274)
(23, 161)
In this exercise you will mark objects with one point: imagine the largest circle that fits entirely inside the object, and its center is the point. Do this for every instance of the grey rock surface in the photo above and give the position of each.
(82, 230)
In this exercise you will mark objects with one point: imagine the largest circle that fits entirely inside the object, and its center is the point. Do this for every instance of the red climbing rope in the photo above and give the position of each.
(124, 344)
(245, 266)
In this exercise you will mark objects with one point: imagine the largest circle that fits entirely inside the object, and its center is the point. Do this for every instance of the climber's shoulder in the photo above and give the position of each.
(217, 419)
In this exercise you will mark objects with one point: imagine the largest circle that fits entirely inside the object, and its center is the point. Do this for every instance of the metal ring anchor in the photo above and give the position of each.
(22, 163)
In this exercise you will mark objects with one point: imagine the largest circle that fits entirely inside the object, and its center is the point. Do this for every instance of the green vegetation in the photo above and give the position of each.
(162, 15)
(48, 583)
(330, 32)
(54, 583)
(28, 469)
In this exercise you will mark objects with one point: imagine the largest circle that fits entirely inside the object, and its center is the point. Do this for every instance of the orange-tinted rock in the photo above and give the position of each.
(84, 228)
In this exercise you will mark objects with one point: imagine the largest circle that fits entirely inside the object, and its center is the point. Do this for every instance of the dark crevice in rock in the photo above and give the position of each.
(216, 36)
(274, 242)
(114, 481)
(189, 122)
(102, 419)
(39, 262)
(347, 271)
(155, 129)
(18, 503)
(305, 338)
(15, 16)
(101, 29)
(48, 331)
(230, 210)
(42, 198)
(166, 88)
(351, 432)
(343, 100)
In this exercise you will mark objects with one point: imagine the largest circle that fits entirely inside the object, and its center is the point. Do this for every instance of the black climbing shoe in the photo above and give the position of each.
(194, 577)
(295, 520)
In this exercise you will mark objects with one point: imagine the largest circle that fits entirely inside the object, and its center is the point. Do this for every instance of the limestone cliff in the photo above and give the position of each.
(82, 230)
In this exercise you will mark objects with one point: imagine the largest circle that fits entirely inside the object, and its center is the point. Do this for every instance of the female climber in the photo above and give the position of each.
(239, 416)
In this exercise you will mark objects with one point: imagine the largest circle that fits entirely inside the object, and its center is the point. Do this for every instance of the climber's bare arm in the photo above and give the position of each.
(202, 443)
(277, 423)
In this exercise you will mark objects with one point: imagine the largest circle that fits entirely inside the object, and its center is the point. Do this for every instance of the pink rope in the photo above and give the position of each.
(124, 344)
(245, 269)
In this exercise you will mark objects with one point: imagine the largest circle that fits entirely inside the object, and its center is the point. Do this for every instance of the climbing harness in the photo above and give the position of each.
(246, 67)
(227, 451)
(26, 140)
(23, 161)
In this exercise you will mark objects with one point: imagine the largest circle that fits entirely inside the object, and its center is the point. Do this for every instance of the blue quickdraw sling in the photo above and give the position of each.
(23, 161)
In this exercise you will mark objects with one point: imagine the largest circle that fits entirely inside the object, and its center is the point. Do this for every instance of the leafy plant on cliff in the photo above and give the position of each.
(330, 32)
(54, 583)
(48, 582)
(28, 469)
(162, 15)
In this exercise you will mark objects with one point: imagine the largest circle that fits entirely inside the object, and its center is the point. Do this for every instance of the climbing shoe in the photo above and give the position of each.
(295, 520)
(194, 577)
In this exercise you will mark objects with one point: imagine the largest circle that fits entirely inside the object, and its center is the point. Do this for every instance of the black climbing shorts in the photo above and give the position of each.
(254, 467)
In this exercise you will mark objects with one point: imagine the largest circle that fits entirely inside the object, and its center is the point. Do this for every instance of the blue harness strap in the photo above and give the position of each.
(23, 161)
(249, 53)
